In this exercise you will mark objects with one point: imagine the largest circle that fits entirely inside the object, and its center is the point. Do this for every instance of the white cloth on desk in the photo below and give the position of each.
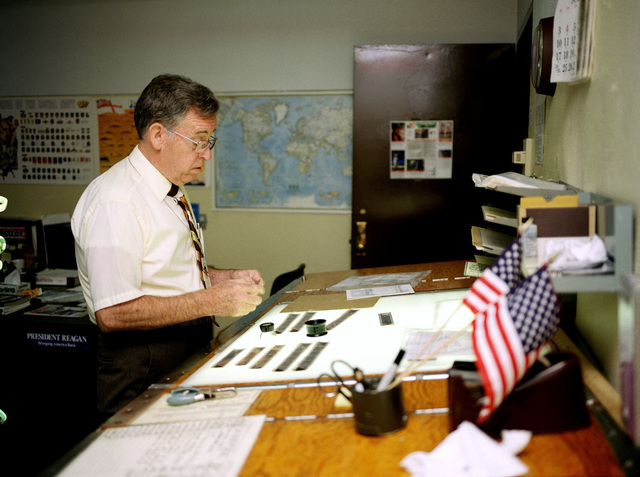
(131, 239)
(468, 451)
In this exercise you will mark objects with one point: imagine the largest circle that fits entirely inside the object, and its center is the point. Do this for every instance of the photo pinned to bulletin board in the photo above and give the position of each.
(421, 149)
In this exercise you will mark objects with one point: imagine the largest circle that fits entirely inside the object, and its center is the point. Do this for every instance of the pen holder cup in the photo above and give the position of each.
(378, 413)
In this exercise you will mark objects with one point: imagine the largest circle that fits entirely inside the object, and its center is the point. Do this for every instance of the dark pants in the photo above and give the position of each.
(129, 362)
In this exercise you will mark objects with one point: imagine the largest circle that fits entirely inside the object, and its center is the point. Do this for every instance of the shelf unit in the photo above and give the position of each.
(614, 225)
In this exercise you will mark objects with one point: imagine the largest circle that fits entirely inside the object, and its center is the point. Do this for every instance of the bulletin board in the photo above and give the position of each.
(48, 140)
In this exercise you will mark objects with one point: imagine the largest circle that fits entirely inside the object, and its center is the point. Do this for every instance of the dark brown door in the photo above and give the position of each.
(401, 221)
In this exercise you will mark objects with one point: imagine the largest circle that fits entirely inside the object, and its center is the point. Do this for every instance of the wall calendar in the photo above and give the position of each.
(573, 41)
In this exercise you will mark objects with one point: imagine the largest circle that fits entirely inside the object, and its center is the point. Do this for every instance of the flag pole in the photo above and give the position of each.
(443, 345)
(433, 337)
(523, 228)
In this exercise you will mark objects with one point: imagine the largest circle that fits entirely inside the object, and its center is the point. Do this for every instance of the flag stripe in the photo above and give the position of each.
(516, 363)
(482, 351)
(485, 290)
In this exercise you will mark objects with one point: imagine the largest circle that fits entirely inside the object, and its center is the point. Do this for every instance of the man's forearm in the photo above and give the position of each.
(217, 275)
(228, 297)
(151, 312)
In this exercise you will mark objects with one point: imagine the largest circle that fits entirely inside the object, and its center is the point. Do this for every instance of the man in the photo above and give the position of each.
(140, 258)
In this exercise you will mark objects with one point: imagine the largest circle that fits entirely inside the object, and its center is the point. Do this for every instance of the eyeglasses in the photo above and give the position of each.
(200, 145)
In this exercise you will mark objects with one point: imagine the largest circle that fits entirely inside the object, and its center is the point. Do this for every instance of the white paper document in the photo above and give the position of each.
(420, 344)
(513, 179)
(380, 280)
(379, 291)
(161, 411)
(211, 448)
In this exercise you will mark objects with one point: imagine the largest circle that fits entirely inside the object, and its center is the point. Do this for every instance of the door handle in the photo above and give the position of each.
(361, 239)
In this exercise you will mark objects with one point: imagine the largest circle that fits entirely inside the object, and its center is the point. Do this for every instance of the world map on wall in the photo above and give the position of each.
(284, 152)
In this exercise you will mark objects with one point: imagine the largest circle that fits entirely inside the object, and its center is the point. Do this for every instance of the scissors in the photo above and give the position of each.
(341, 385)
(182, 396)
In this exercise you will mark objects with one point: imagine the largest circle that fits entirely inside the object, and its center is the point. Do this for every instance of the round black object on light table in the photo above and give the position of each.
(266, 327)
(316, 327)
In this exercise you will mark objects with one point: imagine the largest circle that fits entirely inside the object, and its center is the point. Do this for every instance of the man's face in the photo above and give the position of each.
(180, 162)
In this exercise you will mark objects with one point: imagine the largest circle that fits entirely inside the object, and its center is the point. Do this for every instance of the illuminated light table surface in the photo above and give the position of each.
(307, 433)
(360, 340)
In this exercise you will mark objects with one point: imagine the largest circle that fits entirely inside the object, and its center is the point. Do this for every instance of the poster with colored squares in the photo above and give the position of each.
(48, 140)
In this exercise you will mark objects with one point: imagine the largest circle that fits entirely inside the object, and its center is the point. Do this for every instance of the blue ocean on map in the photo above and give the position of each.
(284, 152)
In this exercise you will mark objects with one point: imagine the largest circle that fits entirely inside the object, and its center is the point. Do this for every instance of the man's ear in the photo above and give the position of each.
(156, 136)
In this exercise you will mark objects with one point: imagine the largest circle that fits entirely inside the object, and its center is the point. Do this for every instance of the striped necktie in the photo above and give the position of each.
(195, 238)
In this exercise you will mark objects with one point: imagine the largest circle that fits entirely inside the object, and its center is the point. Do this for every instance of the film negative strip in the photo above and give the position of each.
(285, 324)
(311, 357)
(228, 358)
(249, 357)
(300, 324)
(341, 318)
(267, 357)
(292, 357)
(385, 319)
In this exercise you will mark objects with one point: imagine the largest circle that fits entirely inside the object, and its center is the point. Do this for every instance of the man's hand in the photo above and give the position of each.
(237, 296)
(220, 275)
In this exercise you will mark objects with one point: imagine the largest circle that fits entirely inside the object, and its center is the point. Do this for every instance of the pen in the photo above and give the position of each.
(391, 372)
(359, 375)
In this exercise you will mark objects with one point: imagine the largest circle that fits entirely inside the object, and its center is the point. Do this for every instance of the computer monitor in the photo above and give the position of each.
(59, 243)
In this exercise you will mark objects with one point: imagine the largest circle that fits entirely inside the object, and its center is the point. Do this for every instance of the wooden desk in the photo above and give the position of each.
(322, 444)
(306, 434)
(330, 446)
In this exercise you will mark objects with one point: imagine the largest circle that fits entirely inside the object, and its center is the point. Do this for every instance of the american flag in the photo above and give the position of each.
(509, 334)
(498, 279)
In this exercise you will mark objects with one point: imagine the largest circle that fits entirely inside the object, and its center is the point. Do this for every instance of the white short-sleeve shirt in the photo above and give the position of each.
(131, 238)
